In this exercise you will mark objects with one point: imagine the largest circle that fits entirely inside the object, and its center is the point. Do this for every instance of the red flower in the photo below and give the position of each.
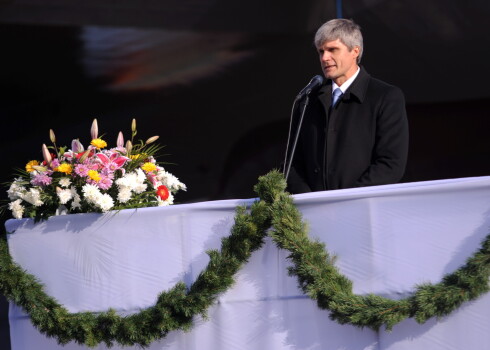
(80, 154)
(162, 192)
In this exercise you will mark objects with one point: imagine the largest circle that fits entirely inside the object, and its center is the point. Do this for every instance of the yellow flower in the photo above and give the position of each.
(64, 168)
(99, 143)
(94, 175)
(30, 165)
(148, 167)
(135, 156)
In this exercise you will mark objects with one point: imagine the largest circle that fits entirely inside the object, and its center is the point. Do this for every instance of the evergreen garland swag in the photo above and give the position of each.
(312, 265)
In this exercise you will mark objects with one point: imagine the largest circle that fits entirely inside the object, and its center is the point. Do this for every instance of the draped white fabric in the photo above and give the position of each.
(387, 239)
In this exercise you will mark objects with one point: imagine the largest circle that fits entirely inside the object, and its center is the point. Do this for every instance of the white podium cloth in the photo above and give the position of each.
(387, 239)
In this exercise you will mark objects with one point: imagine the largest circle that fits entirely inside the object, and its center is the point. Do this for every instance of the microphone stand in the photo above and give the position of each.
(287, 164)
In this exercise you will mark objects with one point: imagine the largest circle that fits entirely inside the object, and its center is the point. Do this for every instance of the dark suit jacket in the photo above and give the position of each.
(362, 141)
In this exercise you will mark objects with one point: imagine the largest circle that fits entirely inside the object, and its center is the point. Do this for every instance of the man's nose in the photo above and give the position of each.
(325, 56)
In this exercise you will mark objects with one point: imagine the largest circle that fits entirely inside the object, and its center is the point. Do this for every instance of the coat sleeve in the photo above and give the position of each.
(296, 182)
(389, 156)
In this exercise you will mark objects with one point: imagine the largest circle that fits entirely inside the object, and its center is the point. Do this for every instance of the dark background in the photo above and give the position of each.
(215, 80)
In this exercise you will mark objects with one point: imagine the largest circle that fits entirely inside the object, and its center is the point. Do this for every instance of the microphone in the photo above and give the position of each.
(314, 84)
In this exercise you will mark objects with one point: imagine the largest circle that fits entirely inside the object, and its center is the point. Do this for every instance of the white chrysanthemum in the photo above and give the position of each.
(123, 181)
(140, 175)
(140, 188)
(17, 208)
(168, 201)
(33, 196)
(91, 193)
(76, 198)
(64, 195)
(16, 190)
(105, 202)
(124, 194)
(171, 181)
(129, 180)
(65, 182)
(134, 182)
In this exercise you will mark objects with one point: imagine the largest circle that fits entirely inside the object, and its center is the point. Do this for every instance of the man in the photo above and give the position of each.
(362, 138)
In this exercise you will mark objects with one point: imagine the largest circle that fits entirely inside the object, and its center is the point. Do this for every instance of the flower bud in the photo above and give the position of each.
(76, 146)
(133, 125)
(152, 139)
(129, 146)
(51, 136)
(120, 140)
(39, 168)
(84, 156)
(46, 154)
(94, 130)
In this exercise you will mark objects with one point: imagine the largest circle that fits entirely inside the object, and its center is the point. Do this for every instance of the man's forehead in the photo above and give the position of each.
(331, 44)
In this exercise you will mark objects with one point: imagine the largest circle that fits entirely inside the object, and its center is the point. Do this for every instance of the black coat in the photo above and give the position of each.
(362, 141)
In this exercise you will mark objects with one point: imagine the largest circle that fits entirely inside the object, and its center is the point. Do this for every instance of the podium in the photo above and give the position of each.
(387, 239)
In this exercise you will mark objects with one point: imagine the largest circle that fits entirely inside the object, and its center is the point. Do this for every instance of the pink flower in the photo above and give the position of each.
(81, 170)
(41, 180)
(105, 182)
(112, 162)
(75, 152)
(152, 178)
(68, 155)
(55, 163)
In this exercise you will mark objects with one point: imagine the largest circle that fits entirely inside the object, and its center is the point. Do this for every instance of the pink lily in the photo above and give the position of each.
(76, 148)
(112, 162)
(152, 178)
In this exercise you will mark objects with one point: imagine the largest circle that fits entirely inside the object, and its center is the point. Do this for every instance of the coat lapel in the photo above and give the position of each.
(325, 96)
(359, 86)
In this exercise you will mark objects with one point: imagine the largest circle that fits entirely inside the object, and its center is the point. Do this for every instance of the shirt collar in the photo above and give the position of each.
(347, 83)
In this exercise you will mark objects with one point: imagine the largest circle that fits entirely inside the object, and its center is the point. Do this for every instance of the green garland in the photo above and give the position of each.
(320, 279)
(173, 310)
(317, 276)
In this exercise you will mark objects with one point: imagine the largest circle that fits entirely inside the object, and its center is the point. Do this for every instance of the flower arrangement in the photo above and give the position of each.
(95, 179)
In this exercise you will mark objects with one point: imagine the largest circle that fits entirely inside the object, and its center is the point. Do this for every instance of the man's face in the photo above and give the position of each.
(338, 63)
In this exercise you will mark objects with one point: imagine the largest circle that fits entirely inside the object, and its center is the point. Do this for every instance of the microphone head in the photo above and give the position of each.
(317, 80)
(314, 84)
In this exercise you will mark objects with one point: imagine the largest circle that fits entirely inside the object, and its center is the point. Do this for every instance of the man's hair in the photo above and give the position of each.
(348, 32)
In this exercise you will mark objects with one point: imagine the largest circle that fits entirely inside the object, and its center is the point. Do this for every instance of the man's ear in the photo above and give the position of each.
(356, 50)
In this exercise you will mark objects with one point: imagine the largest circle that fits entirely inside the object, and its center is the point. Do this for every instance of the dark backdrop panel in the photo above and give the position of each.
(218, 87)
